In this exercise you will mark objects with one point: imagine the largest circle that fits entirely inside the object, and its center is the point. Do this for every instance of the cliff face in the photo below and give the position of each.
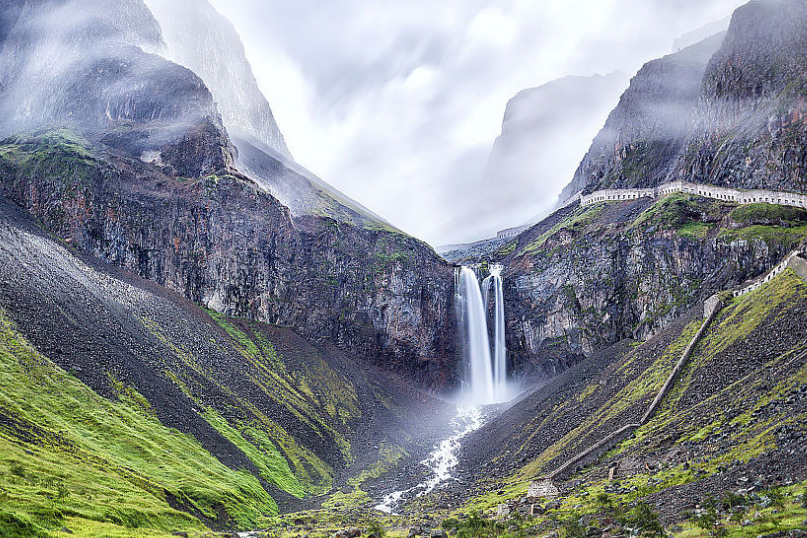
(80, 64)
(226, 244)
(142, 175)
(728, 111)
(594, 276)
(749, 125)
(202, 40)
(646, 131)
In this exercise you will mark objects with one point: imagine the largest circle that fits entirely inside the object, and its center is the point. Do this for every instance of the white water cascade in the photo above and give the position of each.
(487, 379)
(499, 344)
(477, 343)
(487, 383)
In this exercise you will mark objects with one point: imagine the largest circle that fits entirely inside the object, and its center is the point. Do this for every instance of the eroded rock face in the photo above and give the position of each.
(141, 174)
(224, 243)
(593, 286)
(749, 125)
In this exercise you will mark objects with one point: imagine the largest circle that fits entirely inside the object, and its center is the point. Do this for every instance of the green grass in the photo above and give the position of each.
(578, 220)
(754, 213)
(68, 455)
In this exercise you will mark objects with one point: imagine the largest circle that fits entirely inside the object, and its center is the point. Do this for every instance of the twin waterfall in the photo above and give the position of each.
(487, 368)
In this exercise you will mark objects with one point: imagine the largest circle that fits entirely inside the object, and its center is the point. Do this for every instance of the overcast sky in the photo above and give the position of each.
(397, 102)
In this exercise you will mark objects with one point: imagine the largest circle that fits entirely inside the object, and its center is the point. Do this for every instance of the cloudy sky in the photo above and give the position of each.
(397, 102)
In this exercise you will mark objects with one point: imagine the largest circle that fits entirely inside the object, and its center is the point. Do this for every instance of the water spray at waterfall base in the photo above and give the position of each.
(486, 381)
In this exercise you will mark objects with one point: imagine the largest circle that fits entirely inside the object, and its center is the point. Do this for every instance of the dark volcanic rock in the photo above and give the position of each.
(226, 244)
(589, 286)
(142, 176)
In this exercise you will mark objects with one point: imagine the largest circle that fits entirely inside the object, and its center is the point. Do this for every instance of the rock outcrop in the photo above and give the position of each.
(595, 276)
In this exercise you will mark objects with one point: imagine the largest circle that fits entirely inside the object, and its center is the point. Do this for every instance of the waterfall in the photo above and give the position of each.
(487, 368)
(477, 343)
(500, 346)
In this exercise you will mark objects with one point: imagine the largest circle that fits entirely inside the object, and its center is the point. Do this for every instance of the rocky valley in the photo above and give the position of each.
(200, 337)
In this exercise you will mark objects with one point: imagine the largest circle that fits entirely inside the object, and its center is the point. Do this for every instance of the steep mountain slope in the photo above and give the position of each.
(646, 131)
(736, 411)
(545, 133)
(202, 40)
(143, 177)
(167, 408)
(749, 125)
(226, 244)
(728, 111)
(79, 64)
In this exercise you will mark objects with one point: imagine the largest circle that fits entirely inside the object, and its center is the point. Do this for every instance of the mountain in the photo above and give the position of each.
(545, 133)
(142, 409)
(727, 111)
(748, 126)
(184, 354)
(124, 154)
(107, 87)
(198, 37)
(699, 34)
(647, 130)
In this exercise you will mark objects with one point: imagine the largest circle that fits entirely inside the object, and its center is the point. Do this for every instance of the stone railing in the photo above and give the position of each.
(709, 191)
(712, 306)
(794, 261)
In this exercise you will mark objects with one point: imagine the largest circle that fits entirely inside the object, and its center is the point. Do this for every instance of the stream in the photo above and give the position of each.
(441, 461)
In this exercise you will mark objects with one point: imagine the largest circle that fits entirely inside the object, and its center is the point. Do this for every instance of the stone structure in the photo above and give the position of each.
(712, 306)
(512, 232)
(543, 489)
(709, 191)
(794, 261)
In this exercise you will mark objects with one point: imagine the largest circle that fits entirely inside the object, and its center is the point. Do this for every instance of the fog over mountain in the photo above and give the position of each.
(522, 171)
(410, 95)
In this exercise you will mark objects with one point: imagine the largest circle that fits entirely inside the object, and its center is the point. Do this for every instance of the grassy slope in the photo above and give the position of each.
(725, 411)
(101, 467)
(687, 216)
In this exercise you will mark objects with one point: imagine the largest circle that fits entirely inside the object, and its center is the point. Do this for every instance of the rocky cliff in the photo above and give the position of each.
(591, 277)
(142, 175)
(201, 39)
(749, 129)
(728, 111)
(646, 131)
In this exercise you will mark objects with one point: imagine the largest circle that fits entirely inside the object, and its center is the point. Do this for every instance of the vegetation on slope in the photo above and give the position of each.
(99, 467)
(737, 411)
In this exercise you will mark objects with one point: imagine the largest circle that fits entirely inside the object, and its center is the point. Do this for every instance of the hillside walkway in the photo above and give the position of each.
(709, 191)
(712, 306)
